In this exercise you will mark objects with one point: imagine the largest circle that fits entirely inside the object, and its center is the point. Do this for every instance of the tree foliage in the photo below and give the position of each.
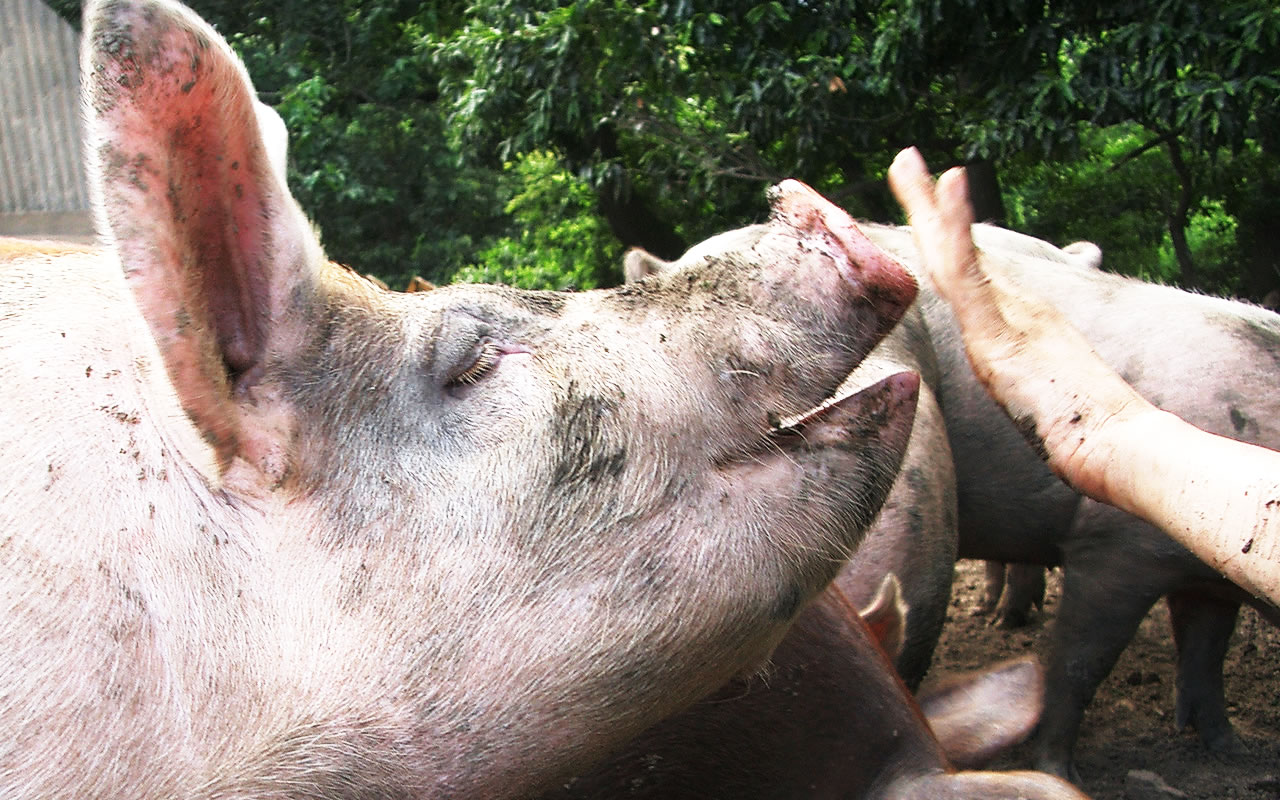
(521, 139)
(685, 103)
(560, 243)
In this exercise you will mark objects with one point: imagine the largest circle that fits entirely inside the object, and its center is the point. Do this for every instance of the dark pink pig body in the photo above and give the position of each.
(829, 718)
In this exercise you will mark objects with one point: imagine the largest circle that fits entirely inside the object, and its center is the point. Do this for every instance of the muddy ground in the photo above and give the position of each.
(1128, 749)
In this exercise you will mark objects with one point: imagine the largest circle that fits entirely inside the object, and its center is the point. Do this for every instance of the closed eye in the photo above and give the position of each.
(486, 358)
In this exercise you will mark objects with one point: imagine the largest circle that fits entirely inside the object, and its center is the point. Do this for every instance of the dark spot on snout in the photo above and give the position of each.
(630, 295)
(546, 303)
(588, 451)
(1238, 419)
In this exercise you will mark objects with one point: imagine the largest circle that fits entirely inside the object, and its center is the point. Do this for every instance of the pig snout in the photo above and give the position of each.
(815, 294)
(872, 273)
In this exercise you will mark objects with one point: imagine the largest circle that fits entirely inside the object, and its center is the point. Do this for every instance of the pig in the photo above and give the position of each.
(914, 537)
(267, 530)
(828, 718)
(1012, 591)
(1218, 371)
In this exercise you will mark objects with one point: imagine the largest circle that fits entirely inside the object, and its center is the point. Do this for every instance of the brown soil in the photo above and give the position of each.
(1128, 745)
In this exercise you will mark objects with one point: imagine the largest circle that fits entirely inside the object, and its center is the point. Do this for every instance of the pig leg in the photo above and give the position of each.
(1202, 628)
(1023, 590)
(993, 574)
(1100, 612)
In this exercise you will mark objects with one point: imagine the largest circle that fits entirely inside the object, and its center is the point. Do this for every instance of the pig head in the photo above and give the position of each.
(914, 536)
(267, 530)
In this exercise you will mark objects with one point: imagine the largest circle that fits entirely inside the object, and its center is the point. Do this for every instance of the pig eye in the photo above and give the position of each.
(485, 359)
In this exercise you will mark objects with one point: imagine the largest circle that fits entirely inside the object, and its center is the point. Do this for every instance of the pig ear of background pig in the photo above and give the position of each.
(220, 259)
(639, 264)
(976, 717)
(886, 616)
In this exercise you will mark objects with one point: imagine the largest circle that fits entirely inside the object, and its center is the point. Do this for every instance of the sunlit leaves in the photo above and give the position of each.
(560, 244)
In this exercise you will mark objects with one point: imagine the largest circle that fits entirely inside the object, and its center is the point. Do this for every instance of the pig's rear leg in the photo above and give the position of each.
(1100, 612)
(1202, 628)
(1023, 591)
(993, 587)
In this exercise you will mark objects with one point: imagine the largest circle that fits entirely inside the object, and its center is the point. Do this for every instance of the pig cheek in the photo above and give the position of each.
(501, 407)
(761, 507)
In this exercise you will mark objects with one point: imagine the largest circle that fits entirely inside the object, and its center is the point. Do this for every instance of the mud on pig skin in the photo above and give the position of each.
(914, 537)
(269, 531)
(1212, 362)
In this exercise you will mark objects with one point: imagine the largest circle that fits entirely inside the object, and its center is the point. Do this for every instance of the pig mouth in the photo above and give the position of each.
(847, 419)
(793, 424)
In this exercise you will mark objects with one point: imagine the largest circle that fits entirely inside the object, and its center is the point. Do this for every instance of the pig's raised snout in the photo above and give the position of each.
(868, 269)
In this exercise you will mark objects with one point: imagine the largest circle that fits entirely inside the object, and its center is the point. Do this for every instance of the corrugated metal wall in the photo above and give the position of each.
(41, 167)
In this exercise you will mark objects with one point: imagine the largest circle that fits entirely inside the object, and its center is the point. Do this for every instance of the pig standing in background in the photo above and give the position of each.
(268, 531)
(1212, 362)
(1011, 592)
(914, 537)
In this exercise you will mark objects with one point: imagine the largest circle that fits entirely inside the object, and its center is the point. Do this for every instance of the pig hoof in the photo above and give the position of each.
(1215, 730)
(1010, 618)
(1224, 742)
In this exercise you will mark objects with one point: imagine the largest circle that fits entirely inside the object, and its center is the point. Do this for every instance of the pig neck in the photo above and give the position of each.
(184, 629)
(145, 581)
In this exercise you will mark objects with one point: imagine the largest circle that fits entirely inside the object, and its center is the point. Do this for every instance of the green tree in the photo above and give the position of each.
(371, 157)
(663, 106)
(561, 243)
(414, 125)
(1060, 202)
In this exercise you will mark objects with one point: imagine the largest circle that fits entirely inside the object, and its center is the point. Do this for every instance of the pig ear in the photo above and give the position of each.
(639, 264)
(219, 257)
(886, 616)
(976, 717)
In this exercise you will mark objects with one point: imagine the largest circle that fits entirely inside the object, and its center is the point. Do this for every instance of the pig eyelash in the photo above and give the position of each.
(485, 361)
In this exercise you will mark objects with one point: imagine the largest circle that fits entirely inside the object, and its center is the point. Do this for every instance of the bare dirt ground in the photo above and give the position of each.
(1128, 748)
